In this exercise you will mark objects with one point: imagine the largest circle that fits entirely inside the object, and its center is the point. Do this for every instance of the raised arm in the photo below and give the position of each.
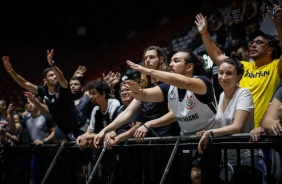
(212, 50)
(41, 106)
(17, 78)
(59, 74)
(15, 127)
(278, 24)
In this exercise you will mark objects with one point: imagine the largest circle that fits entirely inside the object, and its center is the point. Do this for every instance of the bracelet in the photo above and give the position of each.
(135, 93)
(11, 70)
(211, 132)
(146, 127)
(204, 33)
(53, 64)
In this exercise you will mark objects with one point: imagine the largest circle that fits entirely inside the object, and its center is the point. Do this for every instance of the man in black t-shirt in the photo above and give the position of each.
(56, 93)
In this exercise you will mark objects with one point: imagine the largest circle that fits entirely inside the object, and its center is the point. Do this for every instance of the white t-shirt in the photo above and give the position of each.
(241, 100)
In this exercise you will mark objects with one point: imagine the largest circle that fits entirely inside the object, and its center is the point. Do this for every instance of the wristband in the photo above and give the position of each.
(211, 132)
(134, 93)
(204, 33)
(11, 70)
(146, 127)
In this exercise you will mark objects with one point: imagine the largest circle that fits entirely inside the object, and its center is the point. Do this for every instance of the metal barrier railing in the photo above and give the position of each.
(59, 151)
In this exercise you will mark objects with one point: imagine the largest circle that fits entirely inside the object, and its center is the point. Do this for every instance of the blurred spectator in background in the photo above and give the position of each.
(250, 17)
(235, 23)
(41, 129)
(243, 52)
(217, 28)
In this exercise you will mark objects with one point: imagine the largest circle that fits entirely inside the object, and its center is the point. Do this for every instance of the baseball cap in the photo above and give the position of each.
(272, 40)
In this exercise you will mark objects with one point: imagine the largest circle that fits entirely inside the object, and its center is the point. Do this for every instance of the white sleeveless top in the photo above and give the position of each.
(191, 114)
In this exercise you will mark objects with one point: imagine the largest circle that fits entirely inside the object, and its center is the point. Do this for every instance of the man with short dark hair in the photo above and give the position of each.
(56, 93)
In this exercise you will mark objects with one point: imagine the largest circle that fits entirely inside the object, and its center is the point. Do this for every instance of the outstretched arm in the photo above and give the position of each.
(153, 94)
(194, 85)
(59, 74)
(19, 79)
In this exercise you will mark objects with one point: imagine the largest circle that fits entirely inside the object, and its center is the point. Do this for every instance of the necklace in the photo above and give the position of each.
(104, 113)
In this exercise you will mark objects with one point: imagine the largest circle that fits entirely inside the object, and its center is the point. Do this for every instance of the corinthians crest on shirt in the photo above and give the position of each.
(189, 103)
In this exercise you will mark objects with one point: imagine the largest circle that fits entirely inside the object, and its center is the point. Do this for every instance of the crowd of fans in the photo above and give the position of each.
(233, 97)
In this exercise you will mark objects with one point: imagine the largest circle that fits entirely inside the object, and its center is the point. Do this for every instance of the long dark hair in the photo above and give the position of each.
(199, 67)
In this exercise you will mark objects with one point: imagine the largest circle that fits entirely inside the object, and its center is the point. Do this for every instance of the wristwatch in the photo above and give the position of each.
(53, 63)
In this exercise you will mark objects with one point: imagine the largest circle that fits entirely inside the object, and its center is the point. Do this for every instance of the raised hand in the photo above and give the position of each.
(202, 23)
(30, 96)
(50, 54)
(7, 63)
(115, 78)
(80, 71)
(107, 77)
(137, 67)
(134, 87)
(112, 78)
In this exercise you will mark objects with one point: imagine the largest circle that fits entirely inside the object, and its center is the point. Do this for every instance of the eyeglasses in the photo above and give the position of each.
(257, 42)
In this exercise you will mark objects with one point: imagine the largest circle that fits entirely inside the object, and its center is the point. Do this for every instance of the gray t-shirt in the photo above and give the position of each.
(38, 127)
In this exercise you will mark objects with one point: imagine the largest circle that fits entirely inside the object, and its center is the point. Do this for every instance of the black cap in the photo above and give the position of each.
(272, 40)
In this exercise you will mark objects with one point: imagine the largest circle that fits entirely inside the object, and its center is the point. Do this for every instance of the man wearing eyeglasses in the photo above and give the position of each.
(261, 76)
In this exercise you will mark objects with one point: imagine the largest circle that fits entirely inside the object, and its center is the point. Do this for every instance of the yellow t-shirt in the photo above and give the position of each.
(262, 82)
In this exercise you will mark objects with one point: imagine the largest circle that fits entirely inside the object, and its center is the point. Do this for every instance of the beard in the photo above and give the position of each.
(76, 95)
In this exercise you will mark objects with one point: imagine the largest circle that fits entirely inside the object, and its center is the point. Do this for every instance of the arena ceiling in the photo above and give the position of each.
(85, 24)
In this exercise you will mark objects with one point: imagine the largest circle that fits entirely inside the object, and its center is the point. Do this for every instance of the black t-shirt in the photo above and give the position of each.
(61, 107)
(154, 110)
(84, 108)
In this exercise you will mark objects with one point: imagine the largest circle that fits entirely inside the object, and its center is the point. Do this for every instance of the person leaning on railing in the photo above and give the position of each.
(235, 114)
(192, 100)
(272, 125)
(261, 76)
